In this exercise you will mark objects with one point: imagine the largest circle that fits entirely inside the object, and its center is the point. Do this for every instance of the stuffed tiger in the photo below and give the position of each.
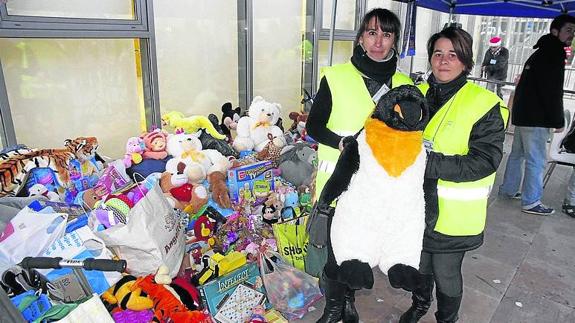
(16, 165)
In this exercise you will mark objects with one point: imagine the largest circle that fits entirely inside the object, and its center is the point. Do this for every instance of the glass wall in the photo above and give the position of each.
(110, 9)
(67, 88)
(345, 14)
(197, 53)
(277, 53)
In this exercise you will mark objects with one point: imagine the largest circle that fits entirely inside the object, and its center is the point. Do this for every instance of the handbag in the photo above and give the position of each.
(317, 229)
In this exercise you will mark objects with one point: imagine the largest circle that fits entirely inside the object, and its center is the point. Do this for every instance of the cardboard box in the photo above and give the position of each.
(241, 180)
(230, 298)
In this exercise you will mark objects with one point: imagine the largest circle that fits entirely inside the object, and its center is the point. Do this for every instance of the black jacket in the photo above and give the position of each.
(483, 158)
(496, 69)
(538, 98)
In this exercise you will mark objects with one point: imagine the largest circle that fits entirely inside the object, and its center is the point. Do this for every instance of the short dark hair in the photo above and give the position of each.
(560, 21)
(462, 44)
(387, 20)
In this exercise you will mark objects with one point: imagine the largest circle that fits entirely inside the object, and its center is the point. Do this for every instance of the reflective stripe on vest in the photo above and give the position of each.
(462, 206)
(348, 112)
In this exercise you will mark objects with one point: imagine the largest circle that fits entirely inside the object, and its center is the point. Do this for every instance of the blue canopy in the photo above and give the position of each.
(509, 8)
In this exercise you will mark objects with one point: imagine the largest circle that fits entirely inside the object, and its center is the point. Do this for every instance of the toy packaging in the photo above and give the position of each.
(230, 298)
(243, 179)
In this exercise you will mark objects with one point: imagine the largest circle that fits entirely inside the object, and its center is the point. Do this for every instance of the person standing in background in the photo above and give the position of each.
(494, 65)
(537, 109)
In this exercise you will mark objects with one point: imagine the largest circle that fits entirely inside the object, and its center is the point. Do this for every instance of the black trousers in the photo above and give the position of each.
(446, 270)
(331, 267)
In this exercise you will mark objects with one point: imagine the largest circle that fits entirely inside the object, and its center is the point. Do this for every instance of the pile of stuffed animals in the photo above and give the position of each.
(191, 163)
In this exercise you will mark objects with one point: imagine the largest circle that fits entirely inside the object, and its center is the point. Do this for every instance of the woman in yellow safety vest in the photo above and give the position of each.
(464, 139)
(344, 101)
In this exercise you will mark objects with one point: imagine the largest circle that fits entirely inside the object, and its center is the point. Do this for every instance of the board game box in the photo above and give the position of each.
(230, 298)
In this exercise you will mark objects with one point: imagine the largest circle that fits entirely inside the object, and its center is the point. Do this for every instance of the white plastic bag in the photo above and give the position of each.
(152, 236)
(29, 233)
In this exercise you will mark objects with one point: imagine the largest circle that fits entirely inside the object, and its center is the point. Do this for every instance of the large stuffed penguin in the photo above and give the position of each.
(380, 214)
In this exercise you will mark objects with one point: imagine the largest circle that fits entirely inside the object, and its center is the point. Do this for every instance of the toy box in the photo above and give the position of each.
(230, 298)
(241, 180)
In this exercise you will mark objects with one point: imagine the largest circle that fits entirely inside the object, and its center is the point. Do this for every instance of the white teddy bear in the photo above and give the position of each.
(255, 129)
(187, 148)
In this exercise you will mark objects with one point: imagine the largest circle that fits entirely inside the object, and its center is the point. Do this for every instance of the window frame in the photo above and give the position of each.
(142, 28)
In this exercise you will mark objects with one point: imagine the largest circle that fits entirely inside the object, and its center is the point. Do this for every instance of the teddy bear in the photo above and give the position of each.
(134, 149)
(180, 193)
(200, 164)
(155, 144)
(253, 129)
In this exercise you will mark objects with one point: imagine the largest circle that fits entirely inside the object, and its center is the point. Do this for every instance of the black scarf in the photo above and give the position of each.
(439, 93)
(379, 71)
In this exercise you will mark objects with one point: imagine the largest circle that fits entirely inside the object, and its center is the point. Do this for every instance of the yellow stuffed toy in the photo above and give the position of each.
(177, 120)
(122, 295)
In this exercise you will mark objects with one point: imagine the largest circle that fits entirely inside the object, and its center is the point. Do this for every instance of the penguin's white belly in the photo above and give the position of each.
(380, 219)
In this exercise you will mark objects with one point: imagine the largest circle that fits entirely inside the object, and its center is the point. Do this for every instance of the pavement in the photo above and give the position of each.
(523, 273)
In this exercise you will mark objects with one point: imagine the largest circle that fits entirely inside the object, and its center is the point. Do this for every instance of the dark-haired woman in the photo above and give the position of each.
(343, 103)
(464, 139)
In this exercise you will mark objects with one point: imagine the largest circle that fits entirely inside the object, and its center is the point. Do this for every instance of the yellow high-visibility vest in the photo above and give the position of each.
(348, 112)
(463, 205)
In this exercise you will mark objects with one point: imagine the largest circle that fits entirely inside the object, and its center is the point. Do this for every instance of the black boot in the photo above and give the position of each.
(334, 292)
(447, 308)
(421, 301)
(350, 314)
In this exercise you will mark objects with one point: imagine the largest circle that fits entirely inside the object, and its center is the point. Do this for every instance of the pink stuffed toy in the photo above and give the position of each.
(156, 142)
(134, 149)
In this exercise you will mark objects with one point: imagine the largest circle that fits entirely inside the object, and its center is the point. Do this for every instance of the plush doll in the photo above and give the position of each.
(230, 118)
(125, 297)
(134, 149)
(297, 164)
(155, 142)
(380, 214)
(192, 124)
(253, 129)
(41, 190)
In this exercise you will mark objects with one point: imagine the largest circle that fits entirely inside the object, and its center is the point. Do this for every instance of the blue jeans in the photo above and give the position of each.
(529, 146)
(570, 194)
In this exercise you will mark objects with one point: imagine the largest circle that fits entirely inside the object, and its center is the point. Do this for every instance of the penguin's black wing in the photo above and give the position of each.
(347, 165)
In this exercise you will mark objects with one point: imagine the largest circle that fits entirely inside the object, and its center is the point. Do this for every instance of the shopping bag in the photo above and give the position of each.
(290, 290)
(152, 236)
(79, 244)
(292, 241)
(29, 233)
